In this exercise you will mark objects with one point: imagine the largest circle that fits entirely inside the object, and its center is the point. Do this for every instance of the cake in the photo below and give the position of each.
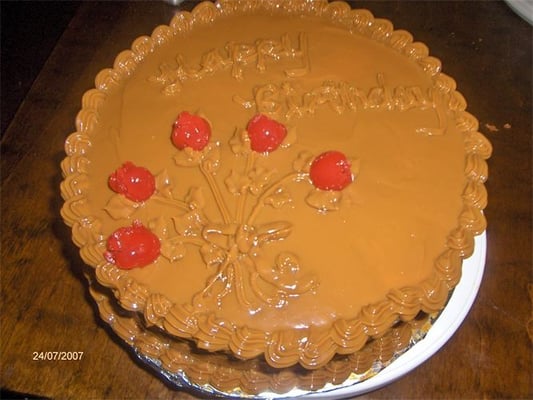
(291, 183)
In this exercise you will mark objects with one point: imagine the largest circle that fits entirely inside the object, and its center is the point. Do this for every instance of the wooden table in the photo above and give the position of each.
(484, 45)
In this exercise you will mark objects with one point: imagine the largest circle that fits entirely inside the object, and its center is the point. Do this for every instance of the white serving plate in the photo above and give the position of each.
(524, 8)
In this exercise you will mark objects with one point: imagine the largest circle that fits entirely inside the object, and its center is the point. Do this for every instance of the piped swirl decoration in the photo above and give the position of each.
(231, 245)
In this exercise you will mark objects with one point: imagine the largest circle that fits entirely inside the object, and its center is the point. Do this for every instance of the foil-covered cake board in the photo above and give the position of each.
(428, 336)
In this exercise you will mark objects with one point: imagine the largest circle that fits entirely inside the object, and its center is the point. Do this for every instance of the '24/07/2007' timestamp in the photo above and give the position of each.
(57, 355)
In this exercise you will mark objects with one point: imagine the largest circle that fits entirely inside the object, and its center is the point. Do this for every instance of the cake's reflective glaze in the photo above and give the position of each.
(255, 260)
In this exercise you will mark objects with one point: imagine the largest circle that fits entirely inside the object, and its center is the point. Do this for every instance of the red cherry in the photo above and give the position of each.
(136, 183)
(190, 130)
(132, 247)
(331, 171)
(265, 134)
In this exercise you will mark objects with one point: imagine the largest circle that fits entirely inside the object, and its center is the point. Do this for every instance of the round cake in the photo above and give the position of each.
(284, 181)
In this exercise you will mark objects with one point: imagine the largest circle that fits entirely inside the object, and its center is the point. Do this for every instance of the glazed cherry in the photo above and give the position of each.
(190, 130)
(136, 183)
(265, 134)
(132, 247)
(331, 171)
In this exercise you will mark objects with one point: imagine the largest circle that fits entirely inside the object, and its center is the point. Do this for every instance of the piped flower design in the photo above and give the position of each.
(232, 246)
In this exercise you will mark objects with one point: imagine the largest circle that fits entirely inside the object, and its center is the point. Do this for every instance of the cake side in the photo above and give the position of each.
(311, 340)
(214, 373)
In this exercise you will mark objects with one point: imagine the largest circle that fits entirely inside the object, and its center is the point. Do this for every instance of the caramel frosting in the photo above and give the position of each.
(255, 260)
(211, 373)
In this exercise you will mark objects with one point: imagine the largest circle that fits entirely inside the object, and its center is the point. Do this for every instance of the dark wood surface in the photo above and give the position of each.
(45, 305)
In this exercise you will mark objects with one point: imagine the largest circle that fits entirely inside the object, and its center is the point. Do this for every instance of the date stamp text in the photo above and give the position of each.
(57, 355)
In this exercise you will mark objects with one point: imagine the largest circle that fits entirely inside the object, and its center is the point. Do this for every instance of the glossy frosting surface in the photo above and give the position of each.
(255, 260)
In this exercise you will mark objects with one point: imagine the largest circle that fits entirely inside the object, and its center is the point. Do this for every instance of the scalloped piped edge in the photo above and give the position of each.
(189, 369)
(345, 336)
